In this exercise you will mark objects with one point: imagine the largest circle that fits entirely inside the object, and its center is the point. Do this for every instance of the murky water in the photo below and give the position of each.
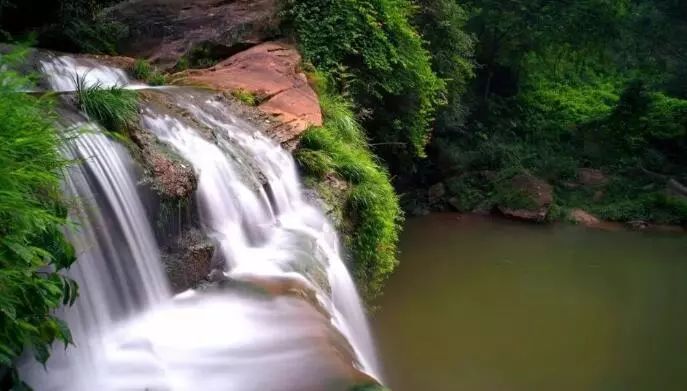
(480, 304)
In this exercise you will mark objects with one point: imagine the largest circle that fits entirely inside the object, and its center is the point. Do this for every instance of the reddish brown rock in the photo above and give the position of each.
(583, 217)
(269, 71)
(536, 192)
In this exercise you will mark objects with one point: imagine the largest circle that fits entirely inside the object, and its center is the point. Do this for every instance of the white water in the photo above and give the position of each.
(118, 268)
(62, 72)
(132, 335)
(260, 234)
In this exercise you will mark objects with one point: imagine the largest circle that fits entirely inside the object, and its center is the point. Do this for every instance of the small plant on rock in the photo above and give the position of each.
(112, 107)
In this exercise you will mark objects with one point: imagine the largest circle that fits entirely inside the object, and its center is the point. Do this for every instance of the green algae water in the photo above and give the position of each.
(480, 305)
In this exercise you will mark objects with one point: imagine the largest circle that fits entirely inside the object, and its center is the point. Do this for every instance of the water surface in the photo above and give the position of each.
(480, 304)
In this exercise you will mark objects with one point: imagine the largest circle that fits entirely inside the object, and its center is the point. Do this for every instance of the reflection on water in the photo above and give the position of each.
(480, 305)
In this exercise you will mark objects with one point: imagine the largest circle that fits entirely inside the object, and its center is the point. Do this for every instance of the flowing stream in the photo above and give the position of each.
(285, 315)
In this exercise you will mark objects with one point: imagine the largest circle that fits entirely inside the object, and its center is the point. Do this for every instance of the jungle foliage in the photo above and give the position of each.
(33, 251)
(564, 86)
(376, 55)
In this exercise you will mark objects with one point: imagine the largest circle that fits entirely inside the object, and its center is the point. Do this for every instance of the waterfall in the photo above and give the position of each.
(262, 226)
(287, 315)
(118, 268)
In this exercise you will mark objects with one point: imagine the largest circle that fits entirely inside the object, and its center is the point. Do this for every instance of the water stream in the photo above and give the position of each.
(287, 317)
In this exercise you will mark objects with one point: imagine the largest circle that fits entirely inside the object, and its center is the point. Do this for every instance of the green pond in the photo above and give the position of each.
(480, 304)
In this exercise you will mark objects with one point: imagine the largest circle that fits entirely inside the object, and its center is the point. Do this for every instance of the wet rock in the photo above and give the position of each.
(169, 174)
(188, 260)
(583, 217)
(591, 177)
(165, 30)
(270, 72)
(536, 193)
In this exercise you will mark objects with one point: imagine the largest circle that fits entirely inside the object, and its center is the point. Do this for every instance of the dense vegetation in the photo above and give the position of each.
(368, 210)
(32, 217)
(374, 53)
(564, 86)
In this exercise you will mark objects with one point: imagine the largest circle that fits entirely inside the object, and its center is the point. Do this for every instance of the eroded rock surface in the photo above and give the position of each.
(170, 176)
(270, 72)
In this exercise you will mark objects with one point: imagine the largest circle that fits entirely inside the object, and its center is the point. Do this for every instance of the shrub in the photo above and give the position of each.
(32, 248)
(112, 107)
(372, 208)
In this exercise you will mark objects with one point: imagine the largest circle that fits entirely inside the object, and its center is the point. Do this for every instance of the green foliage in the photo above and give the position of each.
(112, 107)
(33, 250)
(442, 25)
(142, 70)
(374, 54)
(339, 148)
(565, 86)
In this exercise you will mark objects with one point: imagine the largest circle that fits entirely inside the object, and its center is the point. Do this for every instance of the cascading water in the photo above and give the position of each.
(118, 269)
(287, 316)
(262, 226)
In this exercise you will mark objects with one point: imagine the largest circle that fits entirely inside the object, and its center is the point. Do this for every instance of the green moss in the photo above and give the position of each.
(372, 208)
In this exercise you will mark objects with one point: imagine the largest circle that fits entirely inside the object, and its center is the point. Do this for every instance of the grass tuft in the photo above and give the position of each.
(112, 107)
(142, 70)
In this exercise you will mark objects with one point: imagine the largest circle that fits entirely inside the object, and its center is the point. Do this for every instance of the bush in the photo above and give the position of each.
(32, 248)
(372, 209)
(374, 53)
(112, 107)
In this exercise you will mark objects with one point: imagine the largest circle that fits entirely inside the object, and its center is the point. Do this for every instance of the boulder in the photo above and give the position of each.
(536, 193)
(165, 30)
(583, 217)
(188, 260)
(270, 72)
(591, 177)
